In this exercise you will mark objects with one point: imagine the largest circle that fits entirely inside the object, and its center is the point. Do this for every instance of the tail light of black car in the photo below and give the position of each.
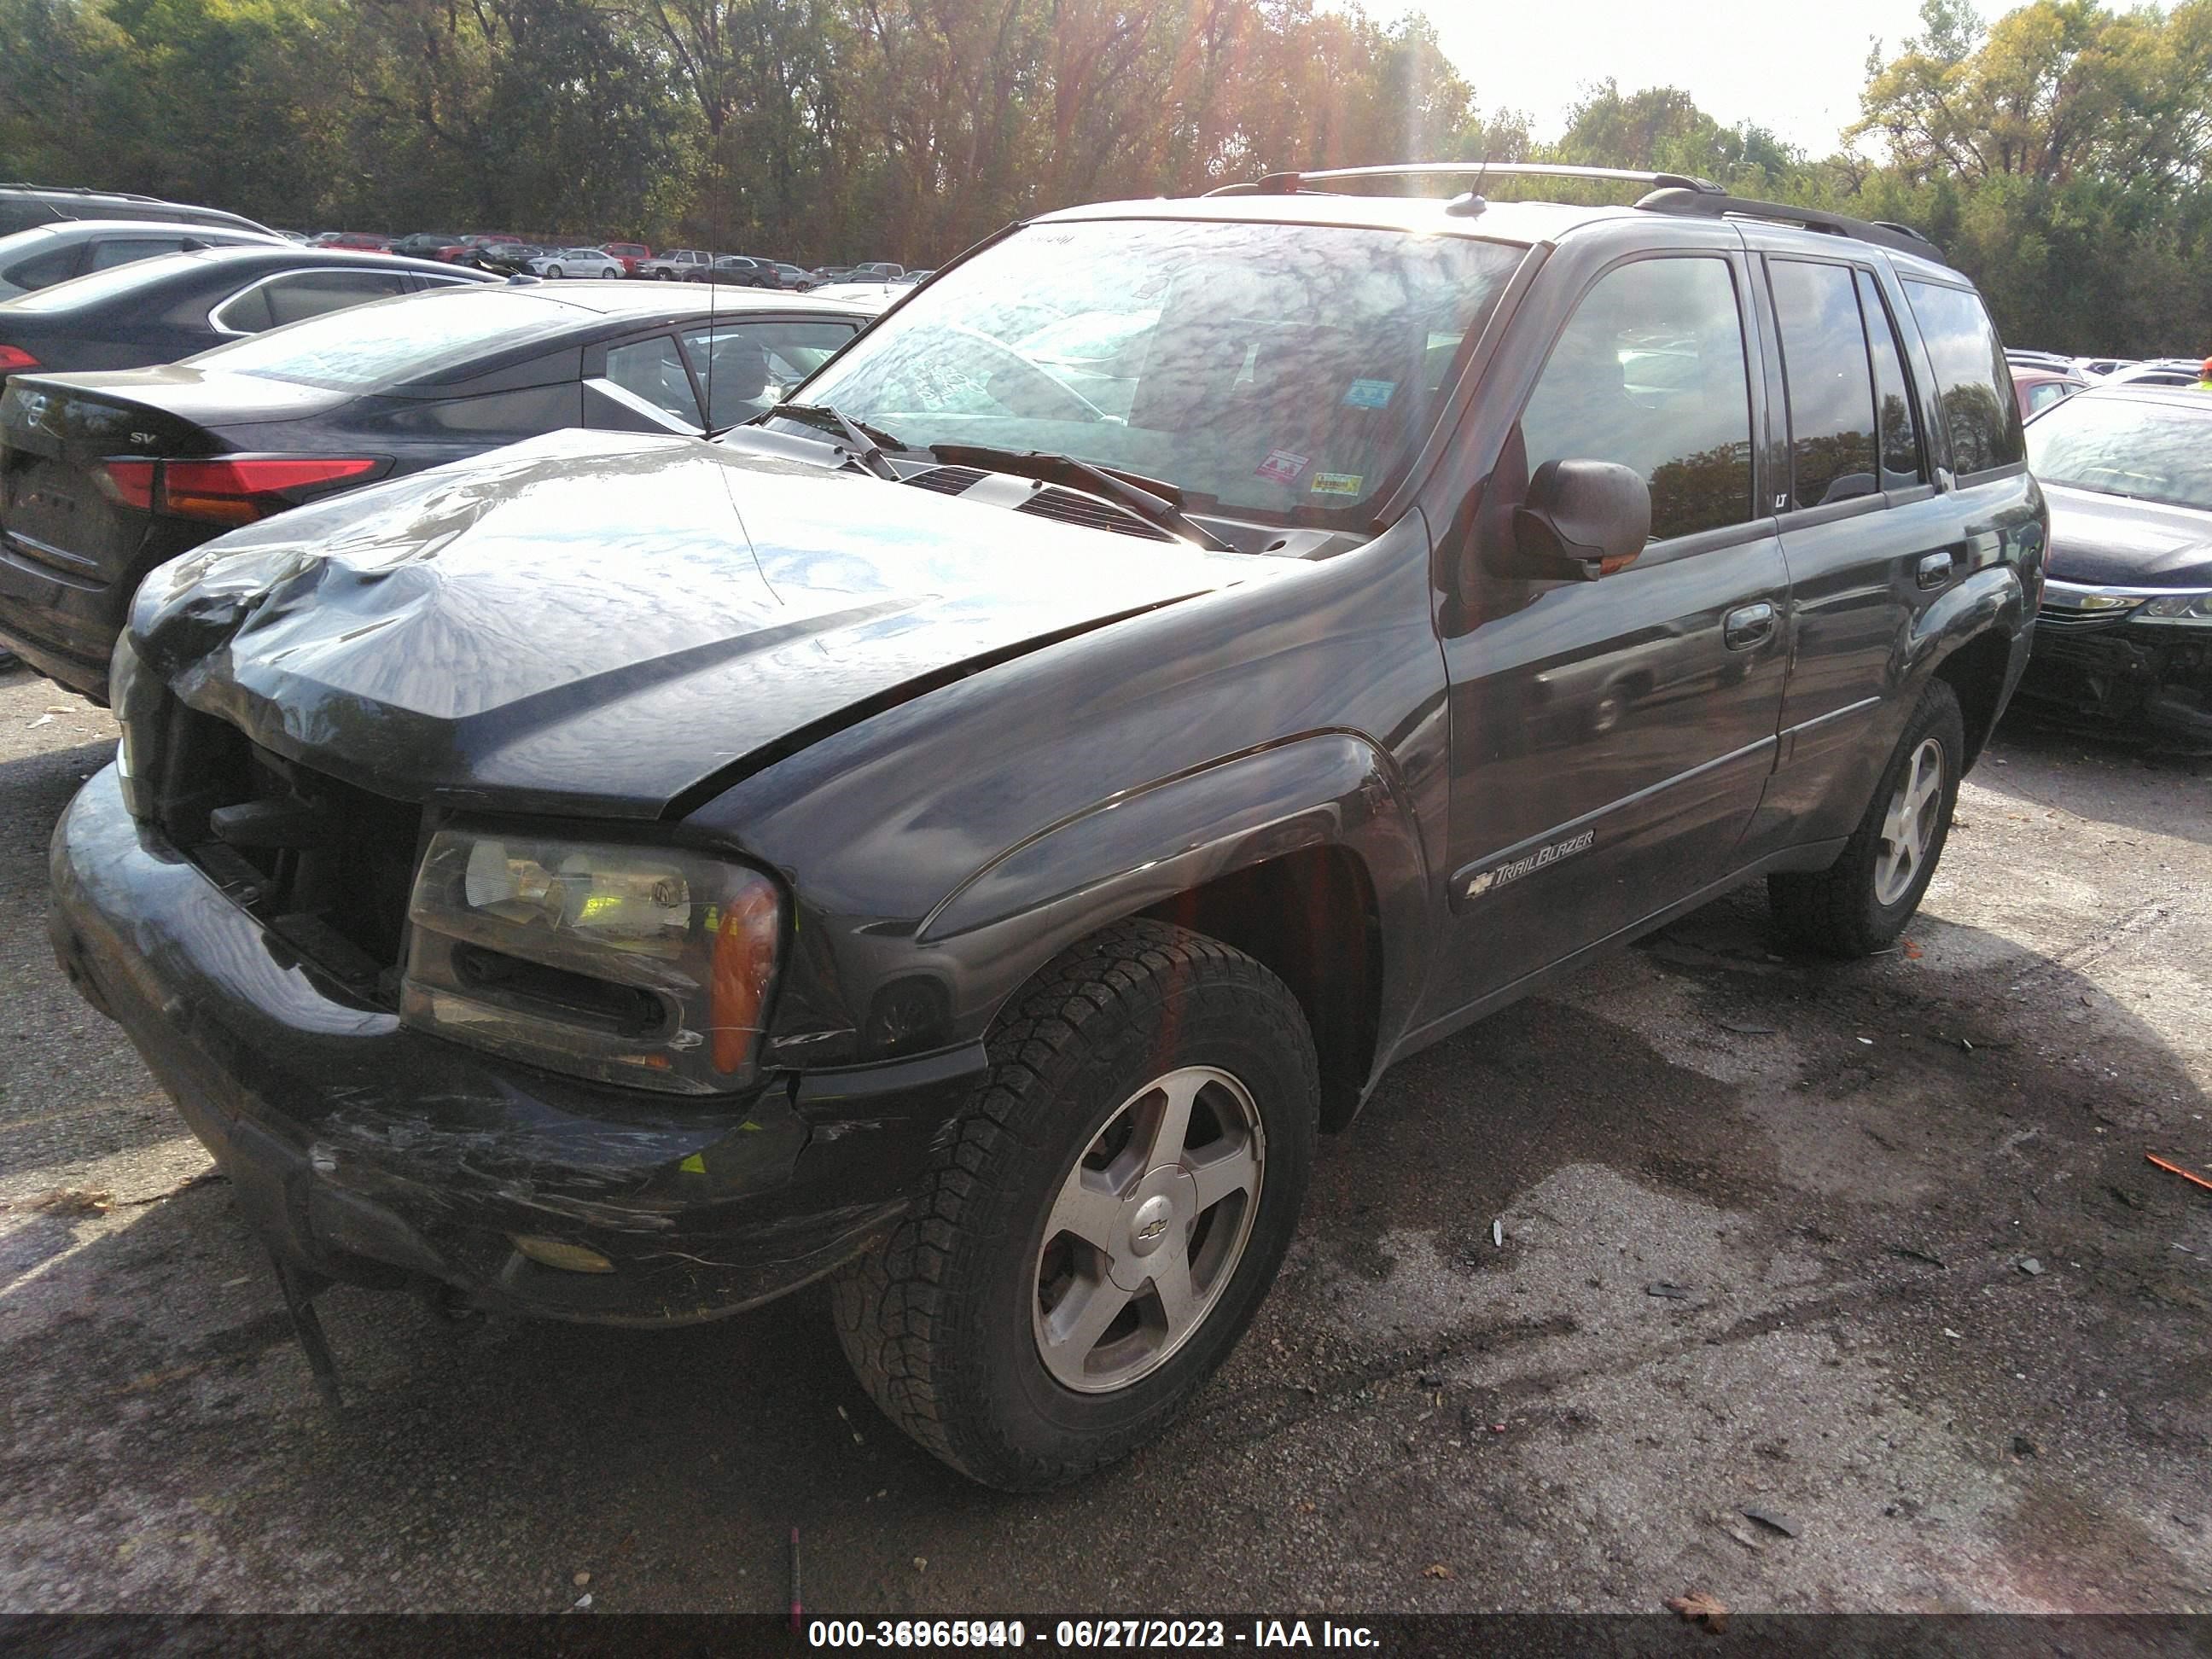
(232, 490)
(14, 360)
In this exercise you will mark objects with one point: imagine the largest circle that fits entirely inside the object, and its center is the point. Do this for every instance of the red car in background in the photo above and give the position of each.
(359, 241)
(632, 254)
(2036, 389)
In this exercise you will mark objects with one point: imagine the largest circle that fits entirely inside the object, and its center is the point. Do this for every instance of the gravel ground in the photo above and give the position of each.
(1844, 1170)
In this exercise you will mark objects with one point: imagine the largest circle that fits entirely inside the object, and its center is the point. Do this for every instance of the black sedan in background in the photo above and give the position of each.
(156, 310)
(105, 475)
(2123, 636)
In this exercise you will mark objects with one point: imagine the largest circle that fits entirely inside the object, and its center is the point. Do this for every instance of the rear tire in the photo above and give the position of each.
(1861, 903)
(1134, 1084)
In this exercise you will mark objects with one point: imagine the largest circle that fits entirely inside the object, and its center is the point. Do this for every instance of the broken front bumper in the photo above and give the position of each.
(2153, 678)
(369, 1153)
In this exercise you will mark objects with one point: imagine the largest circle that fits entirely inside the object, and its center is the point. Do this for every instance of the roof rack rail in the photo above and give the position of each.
(77, 190)
(1700, 204)
(1292, 184)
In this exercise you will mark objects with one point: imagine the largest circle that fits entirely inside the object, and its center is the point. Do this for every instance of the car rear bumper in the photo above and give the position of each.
(367, 1152)
(62, 627)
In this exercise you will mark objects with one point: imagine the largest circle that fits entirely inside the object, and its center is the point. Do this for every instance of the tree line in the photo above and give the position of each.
(2058, 155)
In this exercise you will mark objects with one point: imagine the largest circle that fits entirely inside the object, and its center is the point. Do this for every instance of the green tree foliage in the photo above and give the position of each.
(2057, 155)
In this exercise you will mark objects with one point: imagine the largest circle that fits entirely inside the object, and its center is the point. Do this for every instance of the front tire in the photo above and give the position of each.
(1103, 1223)
(1861, 903)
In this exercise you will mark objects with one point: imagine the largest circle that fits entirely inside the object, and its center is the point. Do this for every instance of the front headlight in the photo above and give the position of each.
(639, 965)
(2179, 608)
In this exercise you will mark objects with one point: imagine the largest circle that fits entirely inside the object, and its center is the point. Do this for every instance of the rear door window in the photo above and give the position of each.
(745, 366)
(653, 369)
(1897, 418)
(1649, 373)
(1972, 383)
(1830, 386)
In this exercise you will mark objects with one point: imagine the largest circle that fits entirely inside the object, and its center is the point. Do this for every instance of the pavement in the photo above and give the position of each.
(1871, 1250)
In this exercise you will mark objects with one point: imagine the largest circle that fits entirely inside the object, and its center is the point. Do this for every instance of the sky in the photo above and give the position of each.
(1793, 66)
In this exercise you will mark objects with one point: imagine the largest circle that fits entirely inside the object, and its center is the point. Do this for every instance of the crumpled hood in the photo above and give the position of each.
(594, 624)
(2109, 541)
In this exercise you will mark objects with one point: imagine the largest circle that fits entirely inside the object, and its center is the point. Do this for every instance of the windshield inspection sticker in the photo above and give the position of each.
(1371, 394)
(1337, 483)
(1282, 466)
(1483, 880)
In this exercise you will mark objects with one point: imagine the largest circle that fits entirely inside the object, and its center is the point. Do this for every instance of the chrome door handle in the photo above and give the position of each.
(1748, 625)
(1934, 570)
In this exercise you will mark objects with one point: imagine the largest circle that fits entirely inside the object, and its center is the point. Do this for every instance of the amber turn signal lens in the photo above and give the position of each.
(744, 959)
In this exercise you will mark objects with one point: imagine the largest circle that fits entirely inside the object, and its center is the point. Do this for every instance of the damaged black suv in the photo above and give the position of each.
(966, 833)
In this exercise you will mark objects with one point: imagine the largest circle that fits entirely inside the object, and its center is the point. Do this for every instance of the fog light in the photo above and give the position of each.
(568, 1258)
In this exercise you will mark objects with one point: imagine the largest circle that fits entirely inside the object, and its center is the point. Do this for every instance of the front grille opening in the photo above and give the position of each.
(598, 1005)
(329, 865)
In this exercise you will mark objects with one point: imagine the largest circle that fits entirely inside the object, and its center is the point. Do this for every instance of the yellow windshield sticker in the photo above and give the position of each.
(1337, 483)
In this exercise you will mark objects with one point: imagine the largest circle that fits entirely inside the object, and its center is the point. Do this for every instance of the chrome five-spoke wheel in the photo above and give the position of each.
(1908, 827)
(1148, 1228)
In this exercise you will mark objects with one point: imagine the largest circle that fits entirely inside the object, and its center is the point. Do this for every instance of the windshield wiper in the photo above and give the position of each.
(1155, 502)
(862, 442)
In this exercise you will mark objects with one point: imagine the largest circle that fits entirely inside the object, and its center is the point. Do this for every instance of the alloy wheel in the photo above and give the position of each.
(1908, 827)
(1147, 1229)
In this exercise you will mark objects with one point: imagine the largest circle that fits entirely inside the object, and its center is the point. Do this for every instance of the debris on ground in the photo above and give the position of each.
(1437, 1569)
(2031, 1267)
(1498, 1234)
(151, 1380)
(204, 1178)
(1774, 1518)
(1745, 1028)
(2175, 1169)
(1660, 1287)
(1726, 1524)
(579, 1578)
(1912, 1254)
(583, 1604)
(1701, 1607)
(74, 1200)
(2023, 1446)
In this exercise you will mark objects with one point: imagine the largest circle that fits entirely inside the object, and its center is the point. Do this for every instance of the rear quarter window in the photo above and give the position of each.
(1973, 382)
(43, 270)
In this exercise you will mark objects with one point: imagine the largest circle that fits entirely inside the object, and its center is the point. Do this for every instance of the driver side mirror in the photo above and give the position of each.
(1582, 520)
